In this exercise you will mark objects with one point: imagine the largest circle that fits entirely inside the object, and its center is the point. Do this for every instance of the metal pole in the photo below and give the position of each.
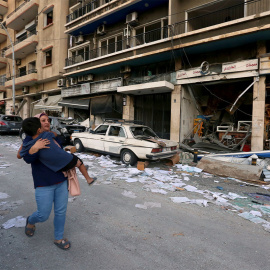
(13, 66)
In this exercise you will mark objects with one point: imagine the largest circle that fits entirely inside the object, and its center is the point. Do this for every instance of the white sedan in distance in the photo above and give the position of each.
(127, 140)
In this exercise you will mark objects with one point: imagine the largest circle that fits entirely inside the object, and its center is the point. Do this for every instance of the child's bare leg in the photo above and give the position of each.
(84, 172)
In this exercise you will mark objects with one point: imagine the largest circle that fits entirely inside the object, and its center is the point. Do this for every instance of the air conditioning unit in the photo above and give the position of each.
(73, 81)
(125, 69)
(80, 78)
(25, 89)
(101, 30)
(61, 82)
(89, 77)
(1, 18)
(132, 18)
(18, 62)
(79, 39)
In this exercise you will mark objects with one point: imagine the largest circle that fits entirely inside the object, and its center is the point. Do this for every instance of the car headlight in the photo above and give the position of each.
(63, 130)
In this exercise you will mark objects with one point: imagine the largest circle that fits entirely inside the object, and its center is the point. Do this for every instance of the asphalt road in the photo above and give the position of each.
(108, 232)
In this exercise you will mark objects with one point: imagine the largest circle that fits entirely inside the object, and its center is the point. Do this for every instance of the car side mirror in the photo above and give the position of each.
(92, 131)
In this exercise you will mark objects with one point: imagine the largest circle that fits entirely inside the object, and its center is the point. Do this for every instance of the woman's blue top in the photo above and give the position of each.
(42, 175)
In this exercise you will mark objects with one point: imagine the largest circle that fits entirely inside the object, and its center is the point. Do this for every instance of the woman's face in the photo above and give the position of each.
(45, 123)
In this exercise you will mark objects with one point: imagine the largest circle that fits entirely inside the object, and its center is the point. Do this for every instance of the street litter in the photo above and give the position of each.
(129, 194)
(3, 195)
(147, 205)
(251, 217)
(186, 200)
(17, 222)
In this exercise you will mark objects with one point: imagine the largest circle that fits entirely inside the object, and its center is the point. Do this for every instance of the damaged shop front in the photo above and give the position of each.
(93, 100)
(224, 107)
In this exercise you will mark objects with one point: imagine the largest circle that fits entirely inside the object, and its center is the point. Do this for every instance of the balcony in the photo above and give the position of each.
(3, 7)
(87, 18)
(218, 27)
(3, 61)
(23, 14)
(27, 78)
(23, 46)
(3, 35)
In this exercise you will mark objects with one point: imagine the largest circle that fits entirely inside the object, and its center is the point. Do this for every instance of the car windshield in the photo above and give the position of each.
(12, 118)
(68, 122)
(143, 132)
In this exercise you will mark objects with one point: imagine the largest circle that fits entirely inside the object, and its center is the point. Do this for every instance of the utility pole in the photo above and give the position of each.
(13, 66)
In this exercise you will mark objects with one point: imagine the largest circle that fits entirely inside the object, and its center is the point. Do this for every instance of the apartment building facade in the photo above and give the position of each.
(160, 61)
(167, 61)
(36, 37)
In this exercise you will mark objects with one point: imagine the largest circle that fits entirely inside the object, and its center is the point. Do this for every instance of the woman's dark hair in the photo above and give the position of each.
(31, 125)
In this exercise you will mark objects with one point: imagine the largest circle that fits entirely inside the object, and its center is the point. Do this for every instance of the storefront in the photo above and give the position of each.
(226, 99)
(152, 105)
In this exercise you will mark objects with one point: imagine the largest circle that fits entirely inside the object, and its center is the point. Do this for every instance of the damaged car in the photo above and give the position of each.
(129, 141)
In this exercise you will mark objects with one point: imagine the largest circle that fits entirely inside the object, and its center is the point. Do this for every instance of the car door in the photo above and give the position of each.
(114, 139)
(96, 139)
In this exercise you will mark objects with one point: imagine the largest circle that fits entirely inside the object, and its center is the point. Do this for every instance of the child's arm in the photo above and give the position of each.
(40, 144)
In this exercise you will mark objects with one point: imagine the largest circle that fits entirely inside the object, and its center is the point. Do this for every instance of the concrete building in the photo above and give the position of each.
(36, 29)
(167, 61)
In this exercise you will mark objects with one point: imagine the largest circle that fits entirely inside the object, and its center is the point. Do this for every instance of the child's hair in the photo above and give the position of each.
(31, 125)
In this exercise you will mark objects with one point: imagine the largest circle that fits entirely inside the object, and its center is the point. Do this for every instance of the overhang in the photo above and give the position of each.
(49, 104)
(146, 88)
(77, 103)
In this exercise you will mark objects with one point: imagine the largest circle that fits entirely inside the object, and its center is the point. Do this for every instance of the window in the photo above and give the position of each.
(32, 67)
(22, 71)
(80, 54)
(48, 16)
(101, 130)
(152, 32)
(48, 57)
(116, 131)
(111, 45)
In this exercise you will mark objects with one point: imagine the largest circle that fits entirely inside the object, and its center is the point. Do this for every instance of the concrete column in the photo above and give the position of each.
(175, 113)
(258, 112)
(65, 111)
(128, 109)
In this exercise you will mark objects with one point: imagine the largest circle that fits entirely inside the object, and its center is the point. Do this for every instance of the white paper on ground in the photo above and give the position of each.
(3, 195)
(17, 222)
(129, 194)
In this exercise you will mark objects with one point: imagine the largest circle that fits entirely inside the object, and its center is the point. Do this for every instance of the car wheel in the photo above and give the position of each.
(23, 136)
(128, 157)
(78, 145)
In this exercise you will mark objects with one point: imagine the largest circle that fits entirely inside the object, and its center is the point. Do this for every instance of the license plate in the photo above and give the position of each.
(76, 131)
(166, 149)
(15, 129)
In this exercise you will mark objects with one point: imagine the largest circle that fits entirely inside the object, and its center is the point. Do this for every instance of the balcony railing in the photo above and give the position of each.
(20, 39)
(23, 73)
(19, 7)
(124, 44)
(248, 8)
(92, 6)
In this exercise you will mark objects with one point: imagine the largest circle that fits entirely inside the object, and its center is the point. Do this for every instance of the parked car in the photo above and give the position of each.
(129, 141)
(10, 123)
(64, 127)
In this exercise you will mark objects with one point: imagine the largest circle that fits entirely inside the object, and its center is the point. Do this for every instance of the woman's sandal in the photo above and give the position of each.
(94, 180)
(29, 231)
(63, 244)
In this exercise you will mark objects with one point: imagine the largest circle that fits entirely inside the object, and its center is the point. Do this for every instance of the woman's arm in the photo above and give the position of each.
(18, 153)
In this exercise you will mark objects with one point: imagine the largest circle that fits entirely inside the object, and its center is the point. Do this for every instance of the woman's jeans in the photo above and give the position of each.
(45, 197)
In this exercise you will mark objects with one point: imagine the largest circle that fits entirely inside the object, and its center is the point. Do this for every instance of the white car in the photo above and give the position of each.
(128, 141)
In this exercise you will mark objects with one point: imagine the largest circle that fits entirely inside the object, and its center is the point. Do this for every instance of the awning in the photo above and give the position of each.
(49, 104)
(78, 103)
(146, 88)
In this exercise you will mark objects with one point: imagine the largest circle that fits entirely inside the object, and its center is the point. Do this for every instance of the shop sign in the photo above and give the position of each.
(191, 73)
(82, 89)
(240, 66)
(106, 86)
